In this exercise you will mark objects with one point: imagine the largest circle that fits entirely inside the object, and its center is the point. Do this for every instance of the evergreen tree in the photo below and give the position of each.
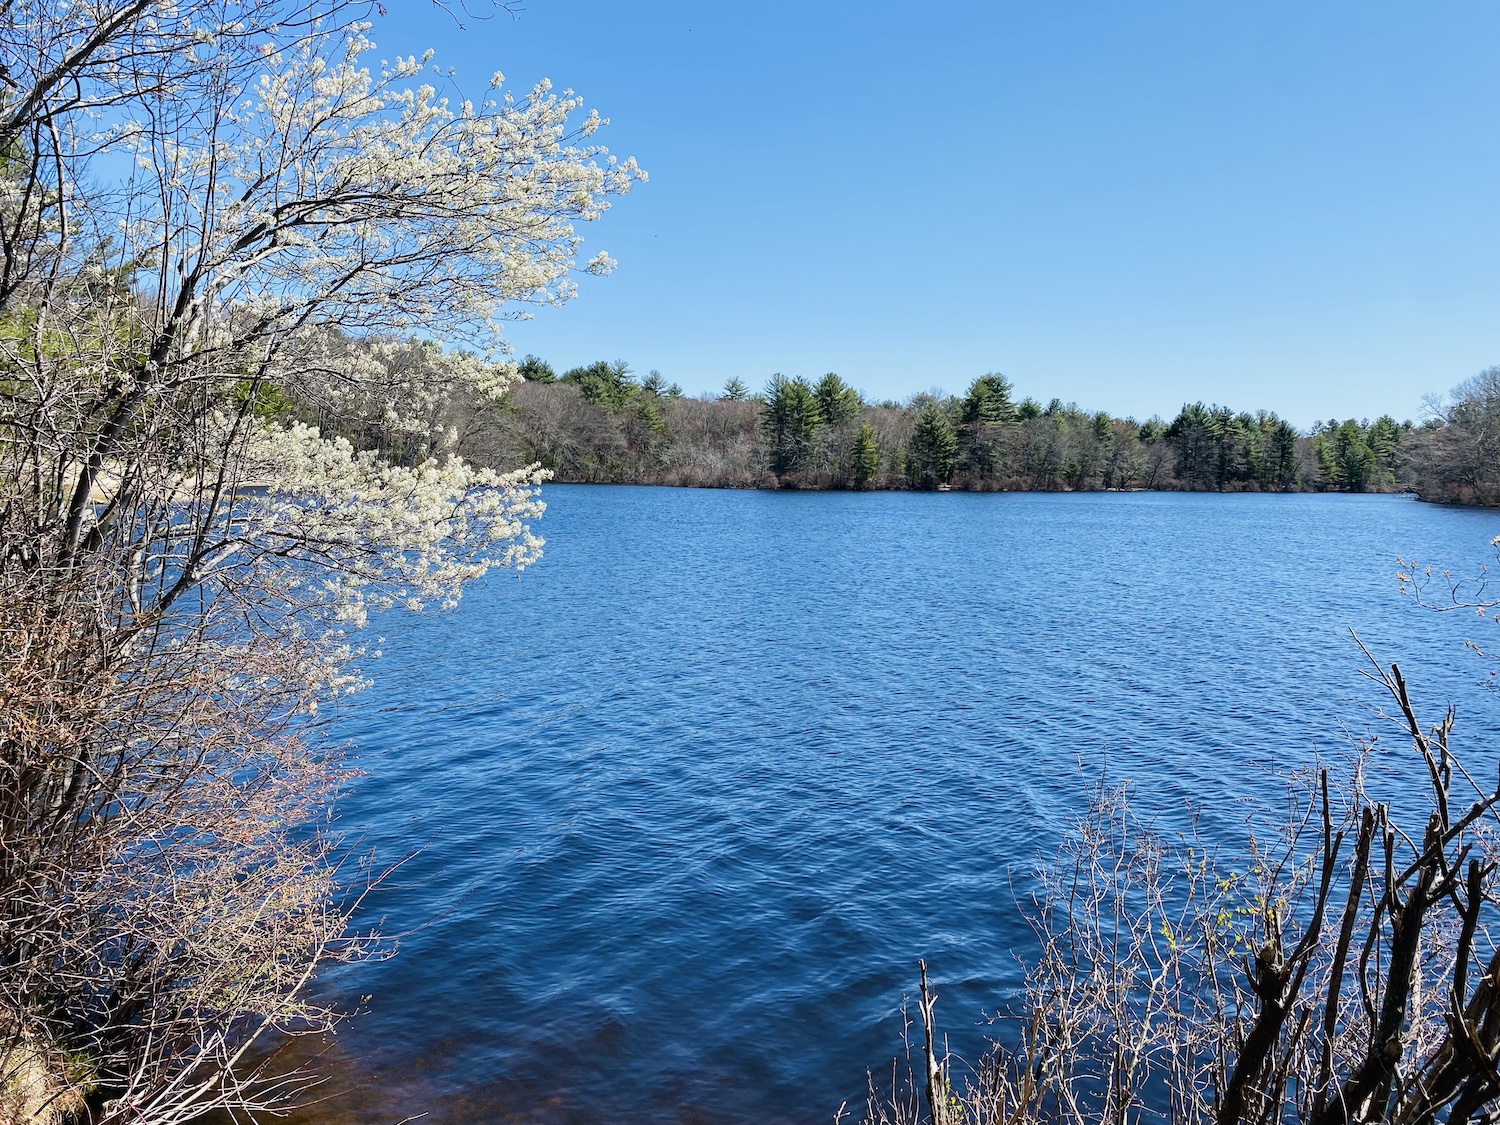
(735, 390)
(1344, 456)
(1278, 453)
(1385, 446)
(988, 400)
(837, 401)
(535, 370)
(790, 417)
(604, 384)
(1206, 441)
(985, 408)
(649, 413)
(934, 448)
(866, 456)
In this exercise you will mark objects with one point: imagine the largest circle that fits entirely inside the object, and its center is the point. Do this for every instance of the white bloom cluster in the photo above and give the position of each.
(323, 192)
(381, 534)
(294, 213)
(182, 556)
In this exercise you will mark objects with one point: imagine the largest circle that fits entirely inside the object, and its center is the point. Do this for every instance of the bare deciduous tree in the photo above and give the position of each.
(1346, 973)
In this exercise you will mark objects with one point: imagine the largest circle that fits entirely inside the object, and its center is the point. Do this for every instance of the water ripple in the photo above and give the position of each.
(693, 794)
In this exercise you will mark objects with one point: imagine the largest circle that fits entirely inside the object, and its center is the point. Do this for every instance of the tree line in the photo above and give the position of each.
(600, 423)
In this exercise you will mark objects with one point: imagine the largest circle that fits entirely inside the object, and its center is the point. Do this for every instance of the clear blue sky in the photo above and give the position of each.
(1284, 205)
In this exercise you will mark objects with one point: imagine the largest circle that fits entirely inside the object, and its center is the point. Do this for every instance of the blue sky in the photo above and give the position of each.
(1278, 205)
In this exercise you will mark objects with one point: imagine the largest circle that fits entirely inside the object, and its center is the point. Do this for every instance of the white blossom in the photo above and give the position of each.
(216, 217)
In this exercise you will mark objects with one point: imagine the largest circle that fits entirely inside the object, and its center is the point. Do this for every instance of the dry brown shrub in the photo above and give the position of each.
(169, 883)
(1344, 971)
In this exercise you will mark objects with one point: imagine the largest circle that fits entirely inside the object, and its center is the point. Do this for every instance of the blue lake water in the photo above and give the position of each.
(690, 797)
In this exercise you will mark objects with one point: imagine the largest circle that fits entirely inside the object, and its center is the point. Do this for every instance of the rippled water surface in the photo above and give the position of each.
(691, 796)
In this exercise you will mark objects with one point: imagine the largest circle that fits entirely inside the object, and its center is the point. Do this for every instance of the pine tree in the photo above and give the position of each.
(866, 456)
(934, 448)
(837, 401)
(791, 417)
(988, 400)
(535, 370)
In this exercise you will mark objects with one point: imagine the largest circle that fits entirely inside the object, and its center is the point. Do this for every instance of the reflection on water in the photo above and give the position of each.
(693, 794)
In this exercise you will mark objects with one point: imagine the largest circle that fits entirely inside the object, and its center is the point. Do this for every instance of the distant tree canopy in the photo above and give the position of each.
(1356, 456)
(934, 448)
(604, 384)
(1217, 448)
(1460, 461)
(792, 414)
(837, 402)
(988, 401)
(598, 423)
(866, 456)
(536, 370)
(655, 384)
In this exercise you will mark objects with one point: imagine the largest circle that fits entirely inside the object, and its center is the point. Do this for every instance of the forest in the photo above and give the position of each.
(601, 424)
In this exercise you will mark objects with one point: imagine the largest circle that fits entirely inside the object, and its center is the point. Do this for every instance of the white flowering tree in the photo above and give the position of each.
(208, 211)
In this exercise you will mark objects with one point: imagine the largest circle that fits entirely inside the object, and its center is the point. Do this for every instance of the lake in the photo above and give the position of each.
(689, 798)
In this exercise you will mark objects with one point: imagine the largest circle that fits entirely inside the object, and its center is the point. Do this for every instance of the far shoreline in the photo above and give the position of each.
(1406, 493)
